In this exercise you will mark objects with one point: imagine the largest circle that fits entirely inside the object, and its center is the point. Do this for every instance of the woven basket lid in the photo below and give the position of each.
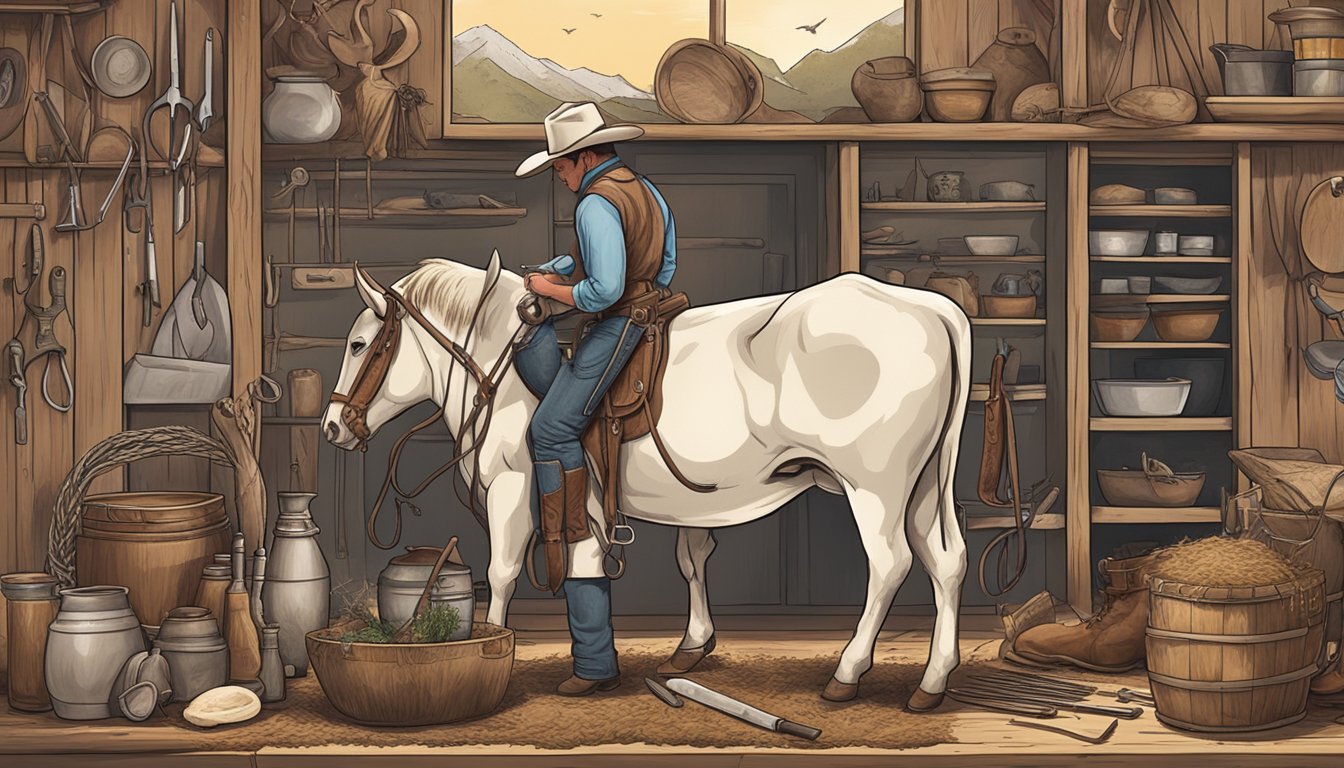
(1322, 228)
(700, 82)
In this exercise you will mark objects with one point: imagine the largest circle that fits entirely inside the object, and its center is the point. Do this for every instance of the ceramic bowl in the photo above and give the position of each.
(1186, 285)
(991, 245)
(1118, 324)
(1141, 397)
(1174, 196)
(1117, 242)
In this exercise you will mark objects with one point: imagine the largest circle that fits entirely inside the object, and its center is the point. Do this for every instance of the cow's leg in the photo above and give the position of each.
(936, 540)
(509, 514)
(879, 519)
(694, 546)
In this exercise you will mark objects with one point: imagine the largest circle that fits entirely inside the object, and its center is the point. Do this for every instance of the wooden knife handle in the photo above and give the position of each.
(798, 729)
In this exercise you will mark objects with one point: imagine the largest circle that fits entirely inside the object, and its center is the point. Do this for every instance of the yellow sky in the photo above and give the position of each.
(631, 35)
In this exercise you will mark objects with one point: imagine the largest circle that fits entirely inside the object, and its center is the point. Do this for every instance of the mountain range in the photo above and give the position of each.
(495, 79)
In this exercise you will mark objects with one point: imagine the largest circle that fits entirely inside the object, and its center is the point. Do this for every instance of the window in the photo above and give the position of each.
(513, 61)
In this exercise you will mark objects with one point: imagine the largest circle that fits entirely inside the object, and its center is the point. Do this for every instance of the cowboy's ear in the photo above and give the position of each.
(370, 291)
(492, 269)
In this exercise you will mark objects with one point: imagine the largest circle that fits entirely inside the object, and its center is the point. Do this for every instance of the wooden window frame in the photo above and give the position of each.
(718, 33)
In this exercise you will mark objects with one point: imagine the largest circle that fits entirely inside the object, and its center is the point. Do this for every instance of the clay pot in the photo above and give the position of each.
(302, 109)
(958, 94)
(1016, 63)
(888, 90)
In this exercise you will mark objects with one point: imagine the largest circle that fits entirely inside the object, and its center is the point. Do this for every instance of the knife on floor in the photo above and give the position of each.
(742, 711)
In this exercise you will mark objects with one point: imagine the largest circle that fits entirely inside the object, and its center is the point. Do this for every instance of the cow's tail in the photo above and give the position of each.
(959, 333)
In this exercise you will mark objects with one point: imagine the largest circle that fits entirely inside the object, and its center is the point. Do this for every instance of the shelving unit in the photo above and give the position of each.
(1039, 402)
(1197, 442)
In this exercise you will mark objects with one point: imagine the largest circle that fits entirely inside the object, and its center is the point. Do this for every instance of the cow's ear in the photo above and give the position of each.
(492, 269)
(370, 291)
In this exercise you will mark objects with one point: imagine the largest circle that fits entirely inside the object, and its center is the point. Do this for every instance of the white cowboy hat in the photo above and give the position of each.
(571, 127)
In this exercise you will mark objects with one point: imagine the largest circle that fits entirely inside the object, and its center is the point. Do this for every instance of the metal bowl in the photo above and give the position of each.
(1117, 242)
(1186, 285)
(991, 245)
(1174, 196)
(1141, 397)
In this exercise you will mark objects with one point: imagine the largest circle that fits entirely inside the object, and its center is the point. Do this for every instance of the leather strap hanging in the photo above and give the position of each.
(1001, 446)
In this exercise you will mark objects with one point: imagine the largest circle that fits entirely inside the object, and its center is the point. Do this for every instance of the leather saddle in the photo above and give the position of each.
(634, 401)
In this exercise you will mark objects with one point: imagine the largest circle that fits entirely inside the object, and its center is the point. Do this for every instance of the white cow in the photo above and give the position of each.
(851, 385)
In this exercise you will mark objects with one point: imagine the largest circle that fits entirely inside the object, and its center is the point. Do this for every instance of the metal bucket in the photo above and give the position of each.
(1250, 72)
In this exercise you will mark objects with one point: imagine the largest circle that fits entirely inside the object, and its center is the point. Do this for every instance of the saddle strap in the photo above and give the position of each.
(1001, 444)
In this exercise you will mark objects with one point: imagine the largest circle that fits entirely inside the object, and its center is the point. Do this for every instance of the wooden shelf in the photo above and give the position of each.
(60, 9)
(1162, 211)
(426, 218)
(1151, 515)
(1160, 345)
(1009, 322)
(874, 252)
(1163, 259)
(1112, 299)
(1017, 393)
(1050, 521)
(1161, 424)
(974, 207)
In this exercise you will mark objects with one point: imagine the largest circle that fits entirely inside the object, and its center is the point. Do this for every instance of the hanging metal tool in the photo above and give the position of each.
(75, 221)
(14, 352)
(205, 111)
(40, 321)
(173, 100)
(138, 198)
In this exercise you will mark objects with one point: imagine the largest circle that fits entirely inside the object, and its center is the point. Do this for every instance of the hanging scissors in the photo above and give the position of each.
(173, 100)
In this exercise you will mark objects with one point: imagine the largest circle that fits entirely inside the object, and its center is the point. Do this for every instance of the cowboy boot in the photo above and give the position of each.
(1110, 641)
(1331, 682)
(576, 505)
(553, 524)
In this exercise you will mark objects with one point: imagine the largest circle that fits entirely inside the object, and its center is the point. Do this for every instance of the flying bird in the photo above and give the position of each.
(595, 15)
(813, 28)
(569, 31)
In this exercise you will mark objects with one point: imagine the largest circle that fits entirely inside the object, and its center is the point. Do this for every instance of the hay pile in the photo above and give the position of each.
(1222, 562)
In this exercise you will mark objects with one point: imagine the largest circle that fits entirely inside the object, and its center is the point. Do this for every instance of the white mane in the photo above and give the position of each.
(445, 291)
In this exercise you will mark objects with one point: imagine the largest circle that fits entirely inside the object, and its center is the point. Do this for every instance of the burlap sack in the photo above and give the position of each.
(1294, 479)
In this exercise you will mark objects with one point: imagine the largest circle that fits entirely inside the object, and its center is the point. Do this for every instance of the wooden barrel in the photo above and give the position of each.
(1234, 659)
(153, 543)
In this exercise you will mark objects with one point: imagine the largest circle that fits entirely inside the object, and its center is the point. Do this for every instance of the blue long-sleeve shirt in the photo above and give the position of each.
(602, 245)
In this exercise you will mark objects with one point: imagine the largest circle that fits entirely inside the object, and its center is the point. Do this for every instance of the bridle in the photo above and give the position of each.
(372, 375)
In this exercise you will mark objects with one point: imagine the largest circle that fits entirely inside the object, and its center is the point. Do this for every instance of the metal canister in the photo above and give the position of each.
(32, 605)
(92, 636)
(403, 581)
(297, 593)
(1318, 77)
(197, 656)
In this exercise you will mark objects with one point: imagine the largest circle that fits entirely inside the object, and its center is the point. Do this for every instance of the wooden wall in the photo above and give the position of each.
(104, 265)
(1287, 405)
(953, 33)
(1204, 23)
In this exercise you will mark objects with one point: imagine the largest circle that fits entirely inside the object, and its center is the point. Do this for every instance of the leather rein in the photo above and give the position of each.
(373, 374)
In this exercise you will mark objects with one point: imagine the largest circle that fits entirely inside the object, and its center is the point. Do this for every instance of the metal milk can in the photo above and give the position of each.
(297, 593)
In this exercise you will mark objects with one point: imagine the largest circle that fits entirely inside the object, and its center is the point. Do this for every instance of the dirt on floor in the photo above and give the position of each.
(532, 713)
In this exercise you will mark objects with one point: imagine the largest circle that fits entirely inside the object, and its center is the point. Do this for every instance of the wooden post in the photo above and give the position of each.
(1073, 89)
(848, 177)
(718, 22)
(243, 165)
(1242, 384)
(1078, 511)
(446, 95)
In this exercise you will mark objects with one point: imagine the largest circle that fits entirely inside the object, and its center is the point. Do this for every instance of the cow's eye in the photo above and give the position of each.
(357, 346)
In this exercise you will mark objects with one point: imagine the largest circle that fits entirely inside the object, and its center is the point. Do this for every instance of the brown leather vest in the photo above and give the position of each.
(642, 222)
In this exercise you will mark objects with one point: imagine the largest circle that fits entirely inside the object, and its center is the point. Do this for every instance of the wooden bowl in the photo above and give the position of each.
(1132, 488)
(700, 82)
(958, 101)
(1118, 324)
(1186, 323)
(1008, 306)
(406, 684)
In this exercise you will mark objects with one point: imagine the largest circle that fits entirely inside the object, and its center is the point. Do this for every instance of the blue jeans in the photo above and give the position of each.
(571, 392)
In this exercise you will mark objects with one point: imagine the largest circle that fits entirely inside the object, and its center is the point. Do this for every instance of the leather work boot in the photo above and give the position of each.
(1330, 683)
(577, 686)
(576, 505)
(1110, 641)
(552, 536)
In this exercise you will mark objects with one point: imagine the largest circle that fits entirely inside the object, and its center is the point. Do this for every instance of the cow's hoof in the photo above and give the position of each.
(838, 691)
(923, 702)
(685, 659)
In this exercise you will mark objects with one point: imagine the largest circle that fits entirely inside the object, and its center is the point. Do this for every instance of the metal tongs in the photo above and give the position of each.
(173, 100)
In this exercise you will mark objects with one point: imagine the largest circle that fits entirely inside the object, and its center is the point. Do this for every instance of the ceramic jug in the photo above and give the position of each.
(90, 640)
(297, 593)
(1017, 63)
(302, 109)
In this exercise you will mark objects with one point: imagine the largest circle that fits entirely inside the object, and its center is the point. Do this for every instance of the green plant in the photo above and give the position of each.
(434, 625)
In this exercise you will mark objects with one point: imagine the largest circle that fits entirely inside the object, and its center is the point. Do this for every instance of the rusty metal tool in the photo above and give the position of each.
(1071, 733)
(172, 100)
(664, 695)
(1019, 696)
(998, 705)
(20, 383)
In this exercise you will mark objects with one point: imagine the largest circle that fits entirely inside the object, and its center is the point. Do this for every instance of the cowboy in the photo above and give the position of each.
(625, 253)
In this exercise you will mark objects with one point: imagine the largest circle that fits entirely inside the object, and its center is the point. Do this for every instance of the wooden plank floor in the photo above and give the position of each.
(983, 739)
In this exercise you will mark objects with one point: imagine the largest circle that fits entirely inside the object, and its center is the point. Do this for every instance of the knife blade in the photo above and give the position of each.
(667, 697)
(740, 710)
